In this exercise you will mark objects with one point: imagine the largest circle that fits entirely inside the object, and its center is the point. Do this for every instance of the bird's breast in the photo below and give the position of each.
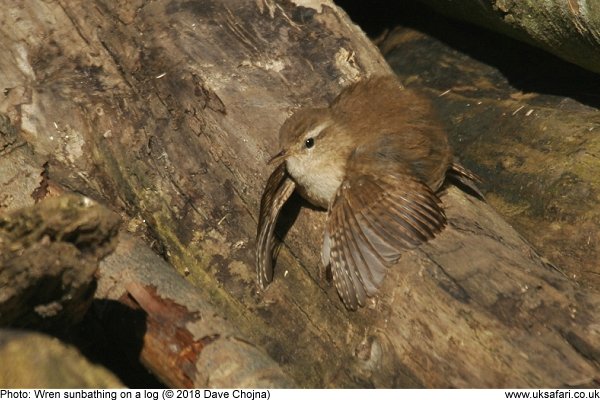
(317, 184)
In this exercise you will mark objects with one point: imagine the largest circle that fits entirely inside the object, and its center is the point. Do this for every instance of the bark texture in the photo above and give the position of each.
(167, 111)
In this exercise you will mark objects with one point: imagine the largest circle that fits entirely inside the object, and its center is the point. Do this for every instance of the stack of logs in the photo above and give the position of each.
(133, 141)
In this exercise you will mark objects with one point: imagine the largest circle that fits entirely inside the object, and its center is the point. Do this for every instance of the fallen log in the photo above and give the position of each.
(185, 342)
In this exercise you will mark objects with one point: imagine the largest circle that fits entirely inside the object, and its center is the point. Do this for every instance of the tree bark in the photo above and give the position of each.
(568, 29)
(167, 111)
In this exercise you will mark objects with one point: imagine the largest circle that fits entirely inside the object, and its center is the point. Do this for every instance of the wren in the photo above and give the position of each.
(375, 159)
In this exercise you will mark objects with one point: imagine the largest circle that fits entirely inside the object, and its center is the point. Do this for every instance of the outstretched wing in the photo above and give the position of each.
(463, 177)
(278, 189)
(374, 217)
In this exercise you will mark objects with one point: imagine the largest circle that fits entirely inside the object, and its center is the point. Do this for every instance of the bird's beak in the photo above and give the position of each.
(282, 155)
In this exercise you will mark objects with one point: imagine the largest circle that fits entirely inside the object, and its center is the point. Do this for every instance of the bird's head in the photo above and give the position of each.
(308, 137)
(315, 150)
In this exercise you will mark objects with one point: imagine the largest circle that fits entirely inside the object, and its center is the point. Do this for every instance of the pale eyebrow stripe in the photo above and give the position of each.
(314, 132)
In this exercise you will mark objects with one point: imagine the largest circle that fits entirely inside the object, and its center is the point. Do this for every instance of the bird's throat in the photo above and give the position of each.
(316, 183)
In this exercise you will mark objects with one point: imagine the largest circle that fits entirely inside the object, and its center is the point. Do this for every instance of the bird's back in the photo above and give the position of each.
(397, 127)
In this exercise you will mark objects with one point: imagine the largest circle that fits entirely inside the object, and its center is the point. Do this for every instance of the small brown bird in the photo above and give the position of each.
(375, 159)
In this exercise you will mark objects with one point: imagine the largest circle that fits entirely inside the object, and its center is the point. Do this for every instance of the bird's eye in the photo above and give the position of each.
(310, 142)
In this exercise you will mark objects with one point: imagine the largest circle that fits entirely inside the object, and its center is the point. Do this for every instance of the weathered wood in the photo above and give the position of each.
(184, 340)
(167, 111)
(475, 303)
(20, 170)
(34, 360)
(568, 29)
(49, 254)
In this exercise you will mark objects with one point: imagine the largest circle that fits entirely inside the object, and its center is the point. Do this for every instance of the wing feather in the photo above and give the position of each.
(373, 266)
(278, 189)
(356, 261)
(373, 219)
(342, 278)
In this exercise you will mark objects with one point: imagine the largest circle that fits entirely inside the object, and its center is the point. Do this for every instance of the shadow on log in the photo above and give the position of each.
(565, 28)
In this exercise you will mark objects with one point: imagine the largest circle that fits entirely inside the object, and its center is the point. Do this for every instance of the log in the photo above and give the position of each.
(41, 361)
(568, 29)
(185, 342)
(166, 111)
(537, 152)
(49, 255)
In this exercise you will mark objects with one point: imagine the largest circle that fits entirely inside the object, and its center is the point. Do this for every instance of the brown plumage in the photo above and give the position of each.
(375, 159)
